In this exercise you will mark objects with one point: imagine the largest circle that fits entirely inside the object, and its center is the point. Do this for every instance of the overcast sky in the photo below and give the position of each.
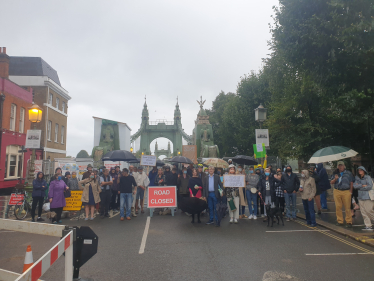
(110, 54)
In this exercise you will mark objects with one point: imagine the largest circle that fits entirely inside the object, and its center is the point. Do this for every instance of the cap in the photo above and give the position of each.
(231, 166)
(140, 168)
(341, 163)
(230, 160)
(259, 165)
(200, 165)
(89, 166)
(67, 173)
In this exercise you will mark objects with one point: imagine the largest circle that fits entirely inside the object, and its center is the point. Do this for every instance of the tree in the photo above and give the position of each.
(83, 154)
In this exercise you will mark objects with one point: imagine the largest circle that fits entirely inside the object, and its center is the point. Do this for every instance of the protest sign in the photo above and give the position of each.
(74, 202)
(259, 154)
(190, 151)
(162, 197)
(148, 160)
(234, 180)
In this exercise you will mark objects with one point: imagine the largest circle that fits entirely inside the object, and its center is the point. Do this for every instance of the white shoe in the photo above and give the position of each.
(262, 216)
(235, 221)
(255, 217)
(231, 220)
(250, 217)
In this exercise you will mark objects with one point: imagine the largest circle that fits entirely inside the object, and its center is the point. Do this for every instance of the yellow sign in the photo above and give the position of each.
(74, 202)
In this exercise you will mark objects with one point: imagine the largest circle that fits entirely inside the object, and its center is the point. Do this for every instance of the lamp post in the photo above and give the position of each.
(260, 114)
(131, 149)
(35, 116)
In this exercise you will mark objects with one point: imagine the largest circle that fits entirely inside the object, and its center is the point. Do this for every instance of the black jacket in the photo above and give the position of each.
(172, 179)
(126, 183)
(217, 183)
(261, 186)
(290, 183)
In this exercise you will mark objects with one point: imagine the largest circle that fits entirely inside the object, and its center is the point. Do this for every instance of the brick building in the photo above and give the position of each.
(13, 126)
(35, 73)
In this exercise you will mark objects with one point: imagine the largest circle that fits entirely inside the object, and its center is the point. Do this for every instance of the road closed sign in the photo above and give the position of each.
(162, 196)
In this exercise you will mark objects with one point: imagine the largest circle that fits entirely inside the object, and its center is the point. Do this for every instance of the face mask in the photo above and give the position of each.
(251, 171)
(74, 176)
(206, 173)
(184, 172)
(267, 173)
(101, 170)
(240, 169)
(302, 175)
(218, 172)
(92, 177)
(59, 178)
(288, 170)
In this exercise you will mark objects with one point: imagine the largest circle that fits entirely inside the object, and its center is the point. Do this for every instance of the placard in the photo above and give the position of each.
(33, 138)
(162, 197)
(15, 198)
(262, 136)
(148, 160)
(190, 151)
(233, 180)
(74, 202)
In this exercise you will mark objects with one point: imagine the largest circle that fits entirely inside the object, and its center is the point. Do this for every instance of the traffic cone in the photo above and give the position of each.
(28, 259)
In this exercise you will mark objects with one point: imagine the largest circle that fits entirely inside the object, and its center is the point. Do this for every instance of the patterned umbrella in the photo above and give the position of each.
(216, 162)
(332, 153)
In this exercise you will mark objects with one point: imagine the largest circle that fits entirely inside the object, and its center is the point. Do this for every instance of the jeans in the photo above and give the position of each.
(36, 201)
(126, 198)
(309, 211)
(212, 202)
(288, 197)
(252, 197)
(323, 199)
(105, 197)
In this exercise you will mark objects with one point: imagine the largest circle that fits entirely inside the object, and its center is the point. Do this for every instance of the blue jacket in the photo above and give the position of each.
(152, 177)
(39, 186)
(324, 182)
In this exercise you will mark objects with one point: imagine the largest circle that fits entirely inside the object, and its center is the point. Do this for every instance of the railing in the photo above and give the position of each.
(158, 121)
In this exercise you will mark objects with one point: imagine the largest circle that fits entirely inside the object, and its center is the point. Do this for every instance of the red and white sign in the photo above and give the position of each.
(162, 197)
(15, 198)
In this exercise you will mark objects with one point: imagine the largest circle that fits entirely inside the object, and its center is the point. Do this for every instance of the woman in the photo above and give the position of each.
(308, 191)
(183, 180)
(232, 194)
(242, 195)
(38, 191)
(195, 184)
(56, 196)
(97, 177)
(91, 194)
(317, 198)
(279, 199)
(73, 182)
(266, 189)
(160, 178)
(363, 184)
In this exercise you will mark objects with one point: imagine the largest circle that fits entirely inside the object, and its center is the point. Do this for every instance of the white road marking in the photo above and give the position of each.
(305, 230)
(340, 254)
(358, 225)
(145, 234)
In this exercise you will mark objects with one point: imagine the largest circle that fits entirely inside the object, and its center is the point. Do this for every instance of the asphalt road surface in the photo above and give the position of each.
(176, 249)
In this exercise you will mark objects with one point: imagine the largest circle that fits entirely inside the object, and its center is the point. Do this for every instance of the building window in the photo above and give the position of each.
(62, 134)
(56, 132)
(49, 127)
(13, 162)
(50, 99)
(57, 103)
(22, 120)
(63, 107)
(13, 112)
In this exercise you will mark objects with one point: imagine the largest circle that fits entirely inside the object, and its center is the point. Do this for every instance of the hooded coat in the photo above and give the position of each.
(323, 183)
(309, 186)
(39, 186)
(363, 192)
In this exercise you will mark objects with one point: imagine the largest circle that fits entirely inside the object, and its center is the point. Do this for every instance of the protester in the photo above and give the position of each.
(172, 178)
(266, 189)
(363, 183)
(259, 201)
(324, 184)
(131, 170)
(67, 177)
(308, 191)
(57, 171)
(200, 172)
(242, 195)
(182, 184)
(212, 186)
(232, 194)
(101, 170)
(166, 172)
(290, 185)
(98, 179)
(106, 182)
(195, 184)
(73, 182)
(39, 186)
(152, 176)
(251, 192)
(343, 186)
(142, 183)
(126, 184)
(56, 196)
(91, 194)
(189, 170)
(279, 199)
(115, 199)
(160, 178)
(87, 174)
(314, 175)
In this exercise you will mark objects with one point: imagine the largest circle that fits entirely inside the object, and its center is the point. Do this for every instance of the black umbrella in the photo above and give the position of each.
(192, 205)
(181, 159)
(221, 210)
(244, 160)
(134, 161)
(118, 155)
(159, 163)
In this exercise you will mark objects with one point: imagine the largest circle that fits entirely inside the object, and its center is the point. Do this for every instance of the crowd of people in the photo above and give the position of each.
(124, 191)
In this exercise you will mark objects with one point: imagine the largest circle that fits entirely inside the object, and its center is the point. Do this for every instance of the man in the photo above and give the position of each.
(115, 187)
(142, 183)
(211, 185)
(67, 177)
(230, 162)
(279, 194)
(87, 174)
(200, 172)
(126, 184)
(343, 187)
(189, 170)
(152, 176)
(101, 170)
(290, 185)
(106, 193)
(259, 201)
(324, 184)
(172, 178)
(131, 168)
(73, 182)
(167, 171)
(251, 191)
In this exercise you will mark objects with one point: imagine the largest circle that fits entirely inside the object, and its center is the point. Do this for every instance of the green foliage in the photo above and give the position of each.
(83, 154)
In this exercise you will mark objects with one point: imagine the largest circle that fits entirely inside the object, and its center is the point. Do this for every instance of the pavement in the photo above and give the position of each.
(176, 249)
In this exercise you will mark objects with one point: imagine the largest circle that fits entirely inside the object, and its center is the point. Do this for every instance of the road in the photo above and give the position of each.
(175, 249)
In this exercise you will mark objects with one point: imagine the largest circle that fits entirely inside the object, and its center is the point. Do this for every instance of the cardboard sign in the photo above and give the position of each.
(148, 160)
(234, 180)
(162, 197)
(15, 198)
(74, 202)
(190, 151)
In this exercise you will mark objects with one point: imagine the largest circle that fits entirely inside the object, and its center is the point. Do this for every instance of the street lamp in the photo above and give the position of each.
(260, 114)
(131, 149)
(35, 116)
